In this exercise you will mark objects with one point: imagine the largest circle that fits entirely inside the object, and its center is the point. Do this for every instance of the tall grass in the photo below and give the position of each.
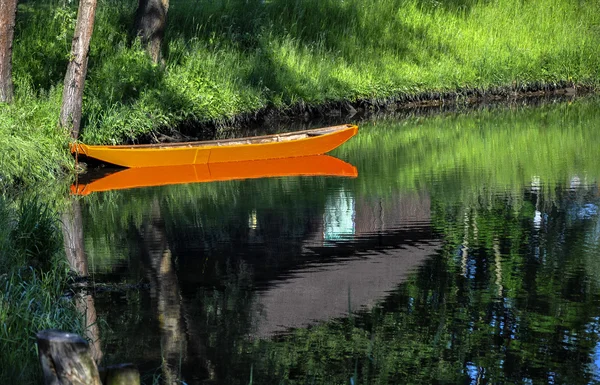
(230, 58)
(32, 283)
(32, 149)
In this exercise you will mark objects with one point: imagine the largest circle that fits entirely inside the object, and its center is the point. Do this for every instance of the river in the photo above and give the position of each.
(465, 250)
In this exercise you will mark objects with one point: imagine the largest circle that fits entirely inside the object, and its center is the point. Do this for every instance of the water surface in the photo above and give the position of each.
(466, 251)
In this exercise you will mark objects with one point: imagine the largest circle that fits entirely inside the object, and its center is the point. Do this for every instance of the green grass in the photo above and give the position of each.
(233, 58)
(33, 275)
(32, 149)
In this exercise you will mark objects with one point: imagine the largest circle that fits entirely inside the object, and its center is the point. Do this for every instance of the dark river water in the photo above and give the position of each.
(466, 250)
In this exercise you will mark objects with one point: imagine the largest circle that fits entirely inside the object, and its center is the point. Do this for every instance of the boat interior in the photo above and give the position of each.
(283, 137)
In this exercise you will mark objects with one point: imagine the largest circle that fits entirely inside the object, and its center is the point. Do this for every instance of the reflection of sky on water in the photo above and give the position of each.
(340, 212)
(473, 372)
(596, 364)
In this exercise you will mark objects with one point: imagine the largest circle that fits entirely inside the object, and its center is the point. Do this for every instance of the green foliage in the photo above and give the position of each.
(32, 148)
(226, 58)
(35, 235)
(32, 284)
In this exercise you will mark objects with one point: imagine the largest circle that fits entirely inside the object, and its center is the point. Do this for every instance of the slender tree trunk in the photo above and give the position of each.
(150, 24)
(8, 11)
(70, 113)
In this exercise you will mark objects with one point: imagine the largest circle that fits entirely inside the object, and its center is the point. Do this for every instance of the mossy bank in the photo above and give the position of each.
(238, 58)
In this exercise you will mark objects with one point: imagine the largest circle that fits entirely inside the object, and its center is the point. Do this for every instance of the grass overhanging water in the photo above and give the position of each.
(233, 58)
(33, 279)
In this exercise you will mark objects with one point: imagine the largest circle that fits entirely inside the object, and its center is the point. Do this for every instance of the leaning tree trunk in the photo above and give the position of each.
(70, 113)
(8, 11)
(150, 24)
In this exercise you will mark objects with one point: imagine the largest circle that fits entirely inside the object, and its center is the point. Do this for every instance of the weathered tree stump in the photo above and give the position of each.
(66, 359)
(150, 25)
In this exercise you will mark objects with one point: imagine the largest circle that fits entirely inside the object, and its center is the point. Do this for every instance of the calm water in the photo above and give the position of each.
(466, 251)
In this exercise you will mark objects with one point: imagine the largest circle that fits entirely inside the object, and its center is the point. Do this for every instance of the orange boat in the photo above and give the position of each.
(286, 145)
(316, 165)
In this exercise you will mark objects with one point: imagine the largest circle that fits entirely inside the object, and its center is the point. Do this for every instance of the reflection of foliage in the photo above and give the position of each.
(136, 323)
(419, 153)
(225, 316)
(511, 297)
(211, 216)
(518, 306)
(497, 149)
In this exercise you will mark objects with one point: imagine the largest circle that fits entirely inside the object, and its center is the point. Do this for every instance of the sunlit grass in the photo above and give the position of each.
(32, 148)
(227, 59)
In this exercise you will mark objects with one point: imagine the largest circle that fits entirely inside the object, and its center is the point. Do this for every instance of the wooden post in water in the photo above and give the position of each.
(66, 359)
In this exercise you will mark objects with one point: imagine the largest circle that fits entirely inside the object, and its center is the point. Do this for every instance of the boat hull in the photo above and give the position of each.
(310, 142)
(318, 165)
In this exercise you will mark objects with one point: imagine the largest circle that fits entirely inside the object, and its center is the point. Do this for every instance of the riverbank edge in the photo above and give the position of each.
(346, 111)
(60, 167)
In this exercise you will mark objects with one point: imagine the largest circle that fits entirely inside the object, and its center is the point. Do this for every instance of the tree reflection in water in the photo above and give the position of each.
(72, 228)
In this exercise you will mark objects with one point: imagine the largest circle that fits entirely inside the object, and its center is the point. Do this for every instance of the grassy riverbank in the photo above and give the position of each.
(230, 59)
(33, 275)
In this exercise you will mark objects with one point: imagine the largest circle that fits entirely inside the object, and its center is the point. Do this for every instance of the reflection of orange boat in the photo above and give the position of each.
(318, 165)
(292, 144)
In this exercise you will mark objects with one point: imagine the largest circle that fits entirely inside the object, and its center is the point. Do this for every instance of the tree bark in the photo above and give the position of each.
(8, 11)
(70, 113)
(150, 24)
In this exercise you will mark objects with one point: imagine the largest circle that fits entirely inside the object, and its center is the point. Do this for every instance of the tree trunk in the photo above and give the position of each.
(150, 24)
(8, 11)
(70, 113)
